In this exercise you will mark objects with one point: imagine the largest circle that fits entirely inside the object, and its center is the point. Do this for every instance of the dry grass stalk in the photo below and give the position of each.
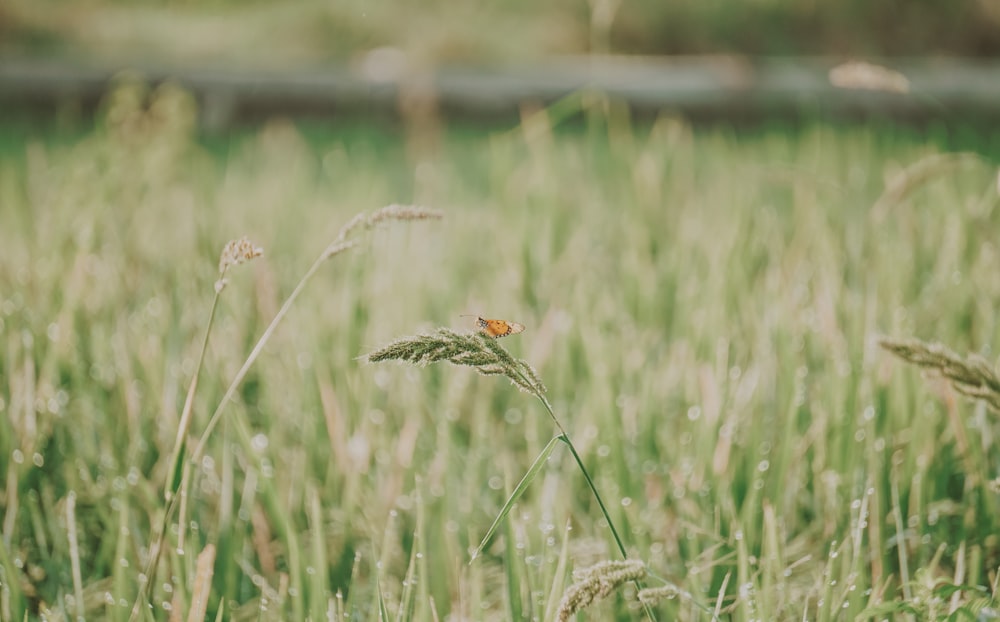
(597, 582)
(470, 349)
(972, 376)
(202, 583)
(862, 76)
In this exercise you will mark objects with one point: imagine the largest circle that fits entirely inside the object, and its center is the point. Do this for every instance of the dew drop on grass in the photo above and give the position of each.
(259, 442)
(312, 571)
(763, 466)
(738, 535)
(495, 482)
(17, 456)
(166, 605)
(38, 460)
(855, 504)
(694, 413)
(603, 451)
(626, 501)
(124, 564)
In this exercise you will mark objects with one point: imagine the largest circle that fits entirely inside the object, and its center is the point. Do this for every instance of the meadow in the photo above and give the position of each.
(703, 304)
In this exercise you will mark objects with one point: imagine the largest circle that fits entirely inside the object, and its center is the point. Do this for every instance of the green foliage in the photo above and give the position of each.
(705, 307)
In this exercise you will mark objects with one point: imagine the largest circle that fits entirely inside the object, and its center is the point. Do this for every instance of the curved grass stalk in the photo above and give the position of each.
(235, 253)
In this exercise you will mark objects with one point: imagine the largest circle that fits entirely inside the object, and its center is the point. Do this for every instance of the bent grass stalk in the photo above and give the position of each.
(489, 358)
(235, 253)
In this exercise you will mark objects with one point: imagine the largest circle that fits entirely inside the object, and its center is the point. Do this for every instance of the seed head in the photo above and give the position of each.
(597, 582)
(237, 252)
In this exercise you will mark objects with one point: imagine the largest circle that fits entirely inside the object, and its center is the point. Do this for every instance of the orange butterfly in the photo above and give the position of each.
(497, 328)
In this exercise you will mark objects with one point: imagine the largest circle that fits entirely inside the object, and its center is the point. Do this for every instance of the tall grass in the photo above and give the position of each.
(705, 307)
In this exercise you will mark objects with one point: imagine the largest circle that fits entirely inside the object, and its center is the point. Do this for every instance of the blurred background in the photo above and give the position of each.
(309, 57)
(702, 226)
(316, 33)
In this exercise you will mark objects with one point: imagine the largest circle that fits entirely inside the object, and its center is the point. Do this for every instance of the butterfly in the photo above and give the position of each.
(497, 328)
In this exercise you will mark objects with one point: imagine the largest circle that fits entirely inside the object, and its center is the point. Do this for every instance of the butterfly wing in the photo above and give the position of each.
(500, 328)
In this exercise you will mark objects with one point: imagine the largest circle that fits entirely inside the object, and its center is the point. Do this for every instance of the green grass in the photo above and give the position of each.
(703, 305)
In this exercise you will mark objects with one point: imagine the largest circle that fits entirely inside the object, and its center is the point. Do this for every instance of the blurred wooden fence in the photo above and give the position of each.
(703, 88)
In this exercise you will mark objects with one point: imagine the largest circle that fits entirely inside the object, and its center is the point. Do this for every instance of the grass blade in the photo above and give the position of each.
(514, 496)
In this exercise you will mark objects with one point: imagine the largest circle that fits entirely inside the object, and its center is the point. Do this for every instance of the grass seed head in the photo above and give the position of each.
(972, 376)
(365, 221)
(237, 252)
(474, 350)
(653, 595)
(597, 582)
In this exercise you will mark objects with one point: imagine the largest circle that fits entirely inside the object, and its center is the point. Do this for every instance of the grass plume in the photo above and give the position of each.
(596, 583)
(474, 350)
(972, 376)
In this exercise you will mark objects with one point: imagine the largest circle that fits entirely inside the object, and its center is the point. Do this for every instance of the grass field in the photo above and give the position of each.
(703, 304)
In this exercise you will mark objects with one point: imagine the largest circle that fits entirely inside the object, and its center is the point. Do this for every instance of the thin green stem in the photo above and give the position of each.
(186, 415)
(171, 485)
(586, 475)
(564, 437)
